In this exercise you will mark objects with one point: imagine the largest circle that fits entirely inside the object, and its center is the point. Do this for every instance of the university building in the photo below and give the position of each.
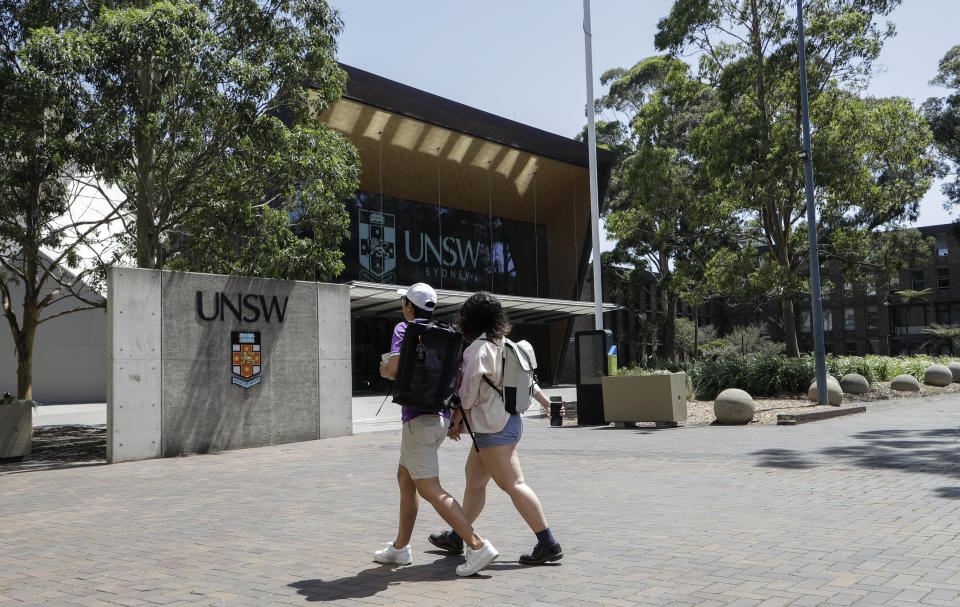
(873, 316)
(465, 201)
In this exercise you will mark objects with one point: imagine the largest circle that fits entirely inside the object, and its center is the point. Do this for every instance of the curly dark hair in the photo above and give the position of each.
(482, 313)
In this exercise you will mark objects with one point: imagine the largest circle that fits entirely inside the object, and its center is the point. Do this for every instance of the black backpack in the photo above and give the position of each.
(430, 355)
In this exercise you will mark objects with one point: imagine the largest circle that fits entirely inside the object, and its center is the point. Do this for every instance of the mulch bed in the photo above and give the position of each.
(68, 444)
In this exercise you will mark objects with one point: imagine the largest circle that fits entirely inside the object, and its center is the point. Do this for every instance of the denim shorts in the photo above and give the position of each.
(510, 435)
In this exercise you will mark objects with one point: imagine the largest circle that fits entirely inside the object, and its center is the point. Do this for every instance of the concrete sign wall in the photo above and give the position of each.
(203, 363)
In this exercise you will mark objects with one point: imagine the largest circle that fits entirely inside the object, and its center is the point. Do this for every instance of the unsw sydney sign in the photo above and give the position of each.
(246, 354)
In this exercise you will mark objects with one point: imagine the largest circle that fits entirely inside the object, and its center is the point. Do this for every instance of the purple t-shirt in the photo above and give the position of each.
(395, 343)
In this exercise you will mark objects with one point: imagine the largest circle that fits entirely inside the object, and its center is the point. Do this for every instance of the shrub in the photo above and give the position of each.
(764, 375)
(744, 340)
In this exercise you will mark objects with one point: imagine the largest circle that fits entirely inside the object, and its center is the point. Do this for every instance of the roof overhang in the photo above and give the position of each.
(375, 299)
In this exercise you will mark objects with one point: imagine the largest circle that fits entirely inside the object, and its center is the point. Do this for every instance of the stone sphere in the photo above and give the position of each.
(937, 375)
(854, 383)
(905, 383)
(955, 369)
(834, 391)
(734, 406)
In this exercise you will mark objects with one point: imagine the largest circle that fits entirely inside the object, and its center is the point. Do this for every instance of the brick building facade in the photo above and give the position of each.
(867, 317)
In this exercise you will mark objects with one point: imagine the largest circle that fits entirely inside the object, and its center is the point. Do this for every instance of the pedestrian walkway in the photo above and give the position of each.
(83, 414)
(370, 413)
(859, 510)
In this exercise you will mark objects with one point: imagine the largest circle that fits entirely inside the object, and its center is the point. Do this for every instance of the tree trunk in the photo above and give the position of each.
(670, 327)
(147, 238)
(696, 331)
(25, 362)
(789, 328)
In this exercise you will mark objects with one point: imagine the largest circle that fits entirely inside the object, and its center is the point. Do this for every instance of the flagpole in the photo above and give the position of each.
(592, 153)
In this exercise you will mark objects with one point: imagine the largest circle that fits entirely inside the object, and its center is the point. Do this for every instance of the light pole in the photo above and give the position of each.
(807, 156)
(592, 153)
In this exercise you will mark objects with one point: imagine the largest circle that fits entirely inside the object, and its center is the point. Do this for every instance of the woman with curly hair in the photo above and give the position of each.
(484, 325)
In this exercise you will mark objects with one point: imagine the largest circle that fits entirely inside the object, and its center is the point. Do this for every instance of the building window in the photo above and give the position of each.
(804, 322)
(827, 320)
(943, 313)
(849, 319)
(916, 318)
(850, 348)
(916, 280)
(873, 346)
(942, 249)
(847, 289)
(872, 314)
(826, 291)
(894, 283)
(943, 278)
(871, 283)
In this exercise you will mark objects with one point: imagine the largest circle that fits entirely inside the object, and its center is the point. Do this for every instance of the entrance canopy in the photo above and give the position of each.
(375, 299)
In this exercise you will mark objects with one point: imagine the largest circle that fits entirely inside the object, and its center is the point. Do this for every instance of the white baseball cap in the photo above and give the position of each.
(421, 295)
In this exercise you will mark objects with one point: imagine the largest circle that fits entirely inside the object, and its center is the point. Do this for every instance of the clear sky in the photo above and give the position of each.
(524, 59)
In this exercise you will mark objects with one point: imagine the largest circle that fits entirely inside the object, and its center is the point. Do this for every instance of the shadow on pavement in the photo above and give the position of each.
(14, 467)
(370, 582)
(782, 458)
(916, 451)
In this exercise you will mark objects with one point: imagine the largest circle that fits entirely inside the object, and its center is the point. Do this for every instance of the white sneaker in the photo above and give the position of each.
(477, 559)
(391, 555)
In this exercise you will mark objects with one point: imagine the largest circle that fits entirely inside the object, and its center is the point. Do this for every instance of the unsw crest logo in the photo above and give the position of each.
(247, 358)
(378, 246)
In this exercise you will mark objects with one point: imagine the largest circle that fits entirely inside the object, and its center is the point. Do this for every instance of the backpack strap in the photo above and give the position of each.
(454, 403)
(492, 385)
(503, 367)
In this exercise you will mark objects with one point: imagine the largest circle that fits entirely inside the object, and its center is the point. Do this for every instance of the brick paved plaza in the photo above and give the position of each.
(862, 510)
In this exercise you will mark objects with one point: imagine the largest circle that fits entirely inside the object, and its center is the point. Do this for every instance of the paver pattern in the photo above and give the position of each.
(861, 510)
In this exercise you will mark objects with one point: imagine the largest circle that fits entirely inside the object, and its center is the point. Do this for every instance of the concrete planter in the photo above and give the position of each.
(16, 429)
(645, 398)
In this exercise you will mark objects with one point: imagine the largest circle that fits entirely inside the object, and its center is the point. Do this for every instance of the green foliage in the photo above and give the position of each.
(763, 375)
(943, 114)
(659, 203)
(690, 339)
(872, 162)
(40, 153)
(942, 335)
(910, 296)
(743, 340)
(203, 115)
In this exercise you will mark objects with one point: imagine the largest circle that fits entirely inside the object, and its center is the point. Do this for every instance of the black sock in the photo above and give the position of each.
(456, 538)
(545, 538)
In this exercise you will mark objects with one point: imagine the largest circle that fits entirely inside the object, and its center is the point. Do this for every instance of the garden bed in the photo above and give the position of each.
(700, 412)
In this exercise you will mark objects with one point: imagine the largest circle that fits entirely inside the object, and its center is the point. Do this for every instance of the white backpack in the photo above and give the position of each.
(519, 377)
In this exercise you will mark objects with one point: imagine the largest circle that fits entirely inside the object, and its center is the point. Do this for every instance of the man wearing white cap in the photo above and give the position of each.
(419, 469)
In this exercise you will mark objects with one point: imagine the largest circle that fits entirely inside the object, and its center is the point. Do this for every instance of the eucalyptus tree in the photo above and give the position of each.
(204, 117)
(943, 113)
(871, 156)
(660, 208)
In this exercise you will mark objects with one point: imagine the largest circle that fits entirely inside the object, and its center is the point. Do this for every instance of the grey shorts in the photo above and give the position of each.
(419, 442)
(510, 435)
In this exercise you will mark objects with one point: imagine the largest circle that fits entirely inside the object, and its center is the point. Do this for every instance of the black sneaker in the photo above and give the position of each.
(443, 541)
(541, 555)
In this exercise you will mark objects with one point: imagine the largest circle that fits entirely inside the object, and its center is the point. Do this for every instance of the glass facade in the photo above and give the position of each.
(397, 241)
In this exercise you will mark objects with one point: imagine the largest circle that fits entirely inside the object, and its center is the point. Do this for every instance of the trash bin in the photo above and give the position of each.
(556, 410)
